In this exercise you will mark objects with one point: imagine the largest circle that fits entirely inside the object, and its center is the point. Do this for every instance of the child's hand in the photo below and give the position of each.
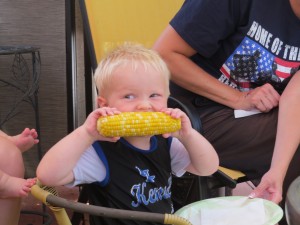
(186, 126)
(91, 123)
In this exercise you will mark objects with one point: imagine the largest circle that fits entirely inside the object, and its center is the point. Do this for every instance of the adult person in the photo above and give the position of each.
(232, 55)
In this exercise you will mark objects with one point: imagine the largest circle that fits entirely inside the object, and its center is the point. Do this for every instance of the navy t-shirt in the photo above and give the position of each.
(243, 43)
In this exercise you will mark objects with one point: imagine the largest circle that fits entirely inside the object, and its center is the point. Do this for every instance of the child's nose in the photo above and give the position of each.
(144, 105)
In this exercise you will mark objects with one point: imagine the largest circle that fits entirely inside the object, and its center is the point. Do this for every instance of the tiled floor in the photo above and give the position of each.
(31, 204)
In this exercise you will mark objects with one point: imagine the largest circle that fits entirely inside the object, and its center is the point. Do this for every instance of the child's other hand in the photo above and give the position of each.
(186, 126)
(91, 123)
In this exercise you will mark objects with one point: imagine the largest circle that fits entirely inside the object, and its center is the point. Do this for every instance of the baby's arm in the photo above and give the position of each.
(56, 167)
(14, 187)
(204, 159)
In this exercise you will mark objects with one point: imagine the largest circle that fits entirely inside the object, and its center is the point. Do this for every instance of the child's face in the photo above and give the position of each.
(135, 90)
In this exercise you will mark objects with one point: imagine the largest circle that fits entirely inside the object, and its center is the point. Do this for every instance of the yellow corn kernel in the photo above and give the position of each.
(137, 124)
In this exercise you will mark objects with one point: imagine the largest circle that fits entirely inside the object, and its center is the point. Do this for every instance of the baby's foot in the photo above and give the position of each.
(27, 186)
(26, 139)
(16, 187)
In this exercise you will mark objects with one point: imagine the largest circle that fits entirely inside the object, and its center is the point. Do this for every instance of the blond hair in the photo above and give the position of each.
(129, 53)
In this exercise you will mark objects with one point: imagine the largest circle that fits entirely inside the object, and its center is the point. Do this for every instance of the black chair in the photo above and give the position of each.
(190, 188)
(110, 23)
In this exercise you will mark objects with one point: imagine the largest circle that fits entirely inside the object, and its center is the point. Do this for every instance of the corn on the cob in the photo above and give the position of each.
(137, 124)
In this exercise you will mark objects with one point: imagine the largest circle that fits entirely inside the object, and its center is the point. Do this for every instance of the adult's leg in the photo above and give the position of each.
(11, 163)
(246, 143)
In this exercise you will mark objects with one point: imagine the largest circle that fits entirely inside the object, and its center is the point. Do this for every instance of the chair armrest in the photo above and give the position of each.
(229, 177)
(226, 180)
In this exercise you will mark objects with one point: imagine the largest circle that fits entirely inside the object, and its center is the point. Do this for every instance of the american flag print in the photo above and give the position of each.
(251, 65)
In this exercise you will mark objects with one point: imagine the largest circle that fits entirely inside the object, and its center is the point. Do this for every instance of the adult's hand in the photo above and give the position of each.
(263, 98)
(270, 188)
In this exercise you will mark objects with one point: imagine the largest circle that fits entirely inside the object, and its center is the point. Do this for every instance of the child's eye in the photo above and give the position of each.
(154, 95)
(128, 96)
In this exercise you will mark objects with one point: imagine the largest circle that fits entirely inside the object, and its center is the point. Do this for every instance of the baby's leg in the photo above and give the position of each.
(11, 163)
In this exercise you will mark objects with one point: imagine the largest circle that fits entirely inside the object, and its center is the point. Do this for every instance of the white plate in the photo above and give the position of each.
(232, 210)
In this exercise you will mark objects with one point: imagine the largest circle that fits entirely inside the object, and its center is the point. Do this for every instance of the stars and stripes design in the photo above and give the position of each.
(252, 65)
(284, 68)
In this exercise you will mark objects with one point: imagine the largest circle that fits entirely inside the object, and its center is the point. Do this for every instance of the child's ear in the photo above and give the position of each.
(101, 101)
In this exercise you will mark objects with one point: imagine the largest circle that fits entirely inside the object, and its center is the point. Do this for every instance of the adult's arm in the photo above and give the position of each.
(185, 73)
(287, 142)
(288, 130)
